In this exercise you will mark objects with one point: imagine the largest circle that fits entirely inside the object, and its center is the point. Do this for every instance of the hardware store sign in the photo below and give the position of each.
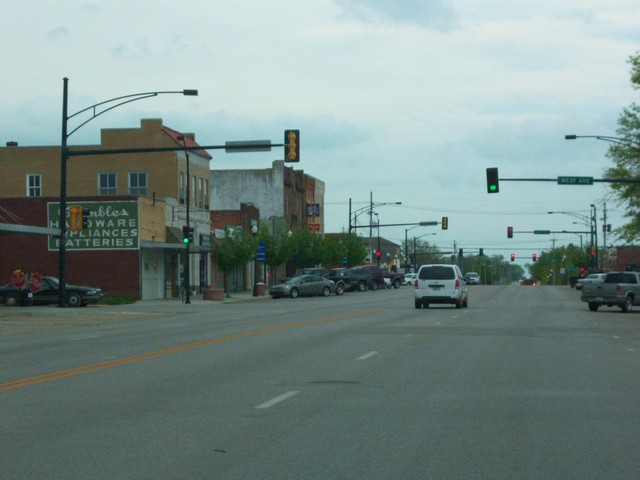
(111, 226)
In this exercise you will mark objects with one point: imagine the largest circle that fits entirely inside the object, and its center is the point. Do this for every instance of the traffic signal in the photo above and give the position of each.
(75, 218)
(187, 234)
(292, 145)
(445, 223)
(460, 253)
(513, 257)
(534, 257)
(85, 217)
(509, 232)
(493, 185)
(378, 254)
(481, 252)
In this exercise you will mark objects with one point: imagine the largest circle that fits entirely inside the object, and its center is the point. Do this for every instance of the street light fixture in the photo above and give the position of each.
(106, 106)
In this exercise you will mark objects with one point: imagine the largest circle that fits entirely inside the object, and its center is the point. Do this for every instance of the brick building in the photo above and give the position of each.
(148, 188)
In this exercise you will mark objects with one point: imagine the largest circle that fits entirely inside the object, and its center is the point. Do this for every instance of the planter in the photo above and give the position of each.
(213, 294)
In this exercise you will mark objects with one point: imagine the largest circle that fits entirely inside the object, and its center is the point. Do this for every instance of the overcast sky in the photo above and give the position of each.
(404, 100)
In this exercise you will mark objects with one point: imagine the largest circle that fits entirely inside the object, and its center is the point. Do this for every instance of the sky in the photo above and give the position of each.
(396, 100)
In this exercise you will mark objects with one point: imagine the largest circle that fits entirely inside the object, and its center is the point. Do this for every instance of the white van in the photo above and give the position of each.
(441, 283)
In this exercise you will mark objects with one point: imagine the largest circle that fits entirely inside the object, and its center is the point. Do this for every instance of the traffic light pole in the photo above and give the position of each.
(187, 261)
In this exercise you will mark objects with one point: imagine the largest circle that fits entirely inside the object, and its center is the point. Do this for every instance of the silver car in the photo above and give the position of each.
(304, 285)
(441, 283)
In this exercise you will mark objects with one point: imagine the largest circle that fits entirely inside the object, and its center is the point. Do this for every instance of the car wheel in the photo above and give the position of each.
(362, 286)
(628, 304)
(396, 283)
(425, 305)
(418, 303)
(294, 293)
(340, 288)
(459, 303)
(326, 291)
(11, 300)
(593, 306)
(74, 300)
(374, 285)
(465, 304)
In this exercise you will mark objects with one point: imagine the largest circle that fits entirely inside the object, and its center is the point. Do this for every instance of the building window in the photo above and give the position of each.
(137, 183)
(206, 194)
(107, 184)
(34, 185)
(200, 193)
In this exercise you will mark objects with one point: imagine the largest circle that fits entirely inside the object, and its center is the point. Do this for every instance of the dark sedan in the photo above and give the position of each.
(77, 296)
(304, 285)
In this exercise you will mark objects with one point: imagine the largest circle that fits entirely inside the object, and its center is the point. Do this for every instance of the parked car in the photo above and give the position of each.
(304, 285)
(441, 283)
(472, 278)
(409, 278)
(77, 296)
(618, 289)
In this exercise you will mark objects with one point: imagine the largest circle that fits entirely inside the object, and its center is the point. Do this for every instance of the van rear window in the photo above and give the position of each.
(437, 273)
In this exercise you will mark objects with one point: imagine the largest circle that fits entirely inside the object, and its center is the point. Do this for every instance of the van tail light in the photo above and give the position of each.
(618, 288)
(415, 283)
(457, 284)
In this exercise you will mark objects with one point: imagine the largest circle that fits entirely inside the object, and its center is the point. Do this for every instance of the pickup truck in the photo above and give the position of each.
(617, 289)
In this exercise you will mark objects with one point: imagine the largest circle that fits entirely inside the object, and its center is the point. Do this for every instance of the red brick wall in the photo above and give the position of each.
(115, 271)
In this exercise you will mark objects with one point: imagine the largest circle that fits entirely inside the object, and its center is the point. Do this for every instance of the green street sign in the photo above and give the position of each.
(575, 180)
(542, 232)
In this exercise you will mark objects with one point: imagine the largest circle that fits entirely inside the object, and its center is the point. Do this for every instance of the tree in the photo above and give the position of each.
(346, 246)
(626, 160)
(235, 250)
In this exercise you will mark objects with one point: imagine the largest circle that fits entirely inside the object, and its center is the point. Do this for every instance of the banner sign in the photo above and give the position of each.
(112, 225)
(313, 209)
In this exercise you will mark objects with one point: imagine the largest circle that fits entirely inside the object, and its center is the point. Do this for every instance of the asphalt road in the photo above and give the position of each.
(525, 383)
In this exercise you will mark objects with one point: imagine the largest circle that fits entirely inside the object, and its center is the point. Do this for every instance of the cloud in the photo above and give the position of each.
(59, 33)
(427, 13)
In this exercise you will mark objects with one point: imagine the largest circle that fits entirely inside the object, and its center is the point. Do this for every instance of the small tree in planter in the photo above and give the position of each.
(235, 250)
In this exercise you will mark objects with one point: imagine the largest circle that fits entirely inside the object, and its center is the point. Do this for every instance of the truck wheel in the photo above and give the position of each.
(628, 304)
(362, 286)
(396, 282)
(340, 288)
(593, 306)
(418, 303)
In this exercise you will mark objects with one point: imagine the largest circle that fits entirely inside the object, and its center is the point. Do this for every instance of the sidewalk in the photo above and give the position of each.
(94, 313)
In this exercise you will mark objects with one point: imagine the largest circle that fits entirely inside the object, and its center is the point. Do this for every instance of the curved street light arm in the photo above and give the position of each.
(617, 140)
(130, 98)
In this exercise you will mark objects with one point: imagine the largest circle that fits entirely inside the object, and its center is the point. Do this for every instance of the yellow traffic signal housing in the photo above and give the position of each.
(75, 218)
(445, 223)
(292, 145)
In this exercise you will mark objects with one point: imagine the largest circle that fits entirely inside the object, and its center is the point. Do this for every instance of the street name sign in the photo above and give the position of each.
(575, 180)
(542, 232)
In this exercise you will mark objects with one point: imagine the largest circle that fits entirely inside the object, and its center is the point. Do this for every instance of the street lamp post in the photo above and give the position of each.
(593, 230)
(105, 106)
(254, 231)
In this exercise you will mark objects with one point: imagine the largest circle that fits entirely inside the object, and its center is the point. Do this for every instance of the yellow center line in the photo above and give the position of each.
(25, 382)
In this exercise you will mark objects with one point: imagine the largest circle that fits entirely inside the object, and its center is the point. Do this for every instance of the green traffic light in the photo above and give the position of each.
(493, 188)
(185, 240)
